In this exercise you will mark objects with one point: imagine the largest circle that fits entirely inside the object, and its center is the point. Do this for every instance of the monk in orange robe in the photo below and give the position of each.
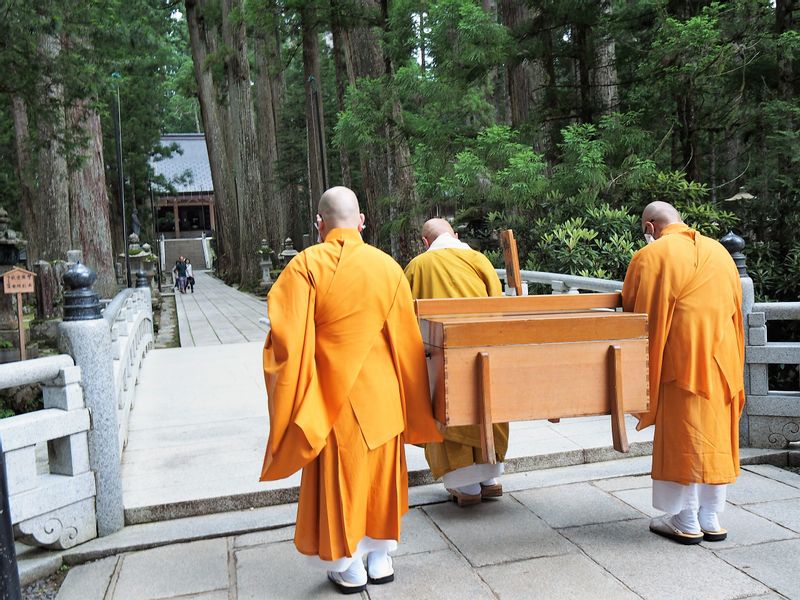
(449, 268)
(690, 289)
(347, 385)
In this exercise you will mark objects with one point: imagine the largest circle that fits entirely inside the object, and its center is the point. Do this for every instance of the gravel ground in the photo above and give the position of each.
(45, 589)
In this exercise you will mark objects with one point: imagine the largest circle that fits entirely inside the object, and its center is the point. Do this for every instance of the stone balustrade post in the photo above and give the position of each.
(86, 336)
(734, 244)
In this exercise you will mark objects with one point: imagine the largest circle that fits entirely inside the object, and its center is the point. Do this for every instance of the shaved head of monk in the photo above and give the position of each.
(338, 208)
(433, 228)
(656, 216)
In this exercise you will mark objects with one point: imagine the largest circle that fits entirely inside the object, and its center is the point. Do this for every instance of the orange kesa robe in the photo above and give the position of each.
(690, 289)
(457, 273)
(347, 384)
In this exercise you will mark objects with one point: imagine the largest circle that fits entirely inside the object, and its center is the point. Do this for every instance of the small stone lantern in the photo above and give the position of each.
(265, 252)
(288, 252)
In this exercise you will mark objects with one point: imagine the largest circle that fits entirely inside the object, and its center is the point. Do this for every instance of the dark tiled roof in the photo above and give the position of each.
(187, 170)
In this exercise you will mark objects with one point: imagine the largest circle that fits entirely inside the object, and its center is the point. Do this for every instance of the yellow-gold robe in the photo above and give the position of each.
(347, 385)
(456, 273)
(690, 289)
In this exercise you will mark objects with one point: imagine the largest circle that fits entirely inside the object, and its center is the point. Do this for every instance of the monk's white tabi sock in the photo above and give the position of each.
(379, 565)
(686, 521)
(708, 520)
(492, 481)
(355, 574)
(473, 489)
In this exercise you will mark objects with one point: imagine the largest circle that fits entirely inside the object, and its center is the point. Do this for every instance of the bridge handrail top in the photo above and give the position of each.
(34, 370)
(112, 310)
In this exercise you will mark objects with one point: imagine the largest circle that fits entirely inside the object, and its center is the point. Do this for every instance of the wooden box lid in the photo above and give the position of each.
(503, 329)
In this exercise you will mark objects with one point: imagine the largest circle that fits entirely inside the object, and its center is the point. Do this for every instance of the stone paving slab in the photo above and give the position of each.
(89, 581)
(174, 570)
(580, 578)
(279, 571)
(751, 488)
(624, 483)
(151, 535)
(656, 568)
(776, 473)
(443, 575)
(774, 564)
(746, 529)
(783, 512)
(639, 498)
(575, 504)
(497, 532)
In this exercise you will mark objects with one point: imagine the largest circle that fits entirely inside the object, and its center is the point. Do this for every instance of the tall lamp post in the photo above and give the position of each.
(120, 179)
(155, 233)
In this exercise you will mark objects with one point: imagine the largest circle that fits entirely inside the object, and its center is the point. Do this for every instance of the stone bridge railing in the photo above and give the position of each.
(130, 318)
(75, 492)
(51, 487)
(772, 417)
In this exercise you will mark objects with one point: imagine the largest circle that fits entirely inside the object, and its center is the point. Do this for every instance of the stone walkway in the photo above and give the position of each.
(218, 314)
(199, 427)
(575, 533)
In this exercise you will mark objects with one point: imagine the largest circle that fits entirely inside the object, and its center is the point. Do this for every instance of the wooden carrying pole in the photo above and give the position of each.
(511, 259)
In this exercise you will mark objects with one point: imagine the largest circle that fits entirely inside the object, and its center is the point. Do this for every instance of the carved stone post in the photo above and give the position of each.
(735, 244)
(86, 336)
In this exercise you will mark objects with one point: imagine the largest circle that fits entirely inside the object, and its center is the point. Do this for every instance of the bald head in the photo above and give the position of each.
(338, 207)
(657, 215)
(433, 228)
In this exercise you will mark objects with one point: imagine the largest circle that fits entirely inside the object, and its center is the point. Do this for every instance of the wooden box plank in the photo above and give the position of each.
(537, 381)
(508, 305)
(465, 331)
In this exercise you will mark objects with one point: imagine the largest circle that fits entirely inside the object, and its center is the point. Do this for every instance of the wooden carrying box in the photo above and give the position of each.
(493, 360)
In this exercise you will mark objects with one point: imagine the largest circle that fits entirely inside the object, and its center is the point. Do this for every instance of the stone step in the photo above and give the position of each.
(418, 478)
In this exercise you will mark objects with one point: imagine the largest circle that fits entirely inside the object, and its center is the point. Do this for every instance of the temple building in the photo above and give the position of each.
(185, 206)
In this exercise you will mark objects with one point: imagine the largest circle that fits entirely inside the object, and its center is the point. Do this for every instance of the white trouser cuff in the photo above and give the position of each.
(672, 497)
(471, 475)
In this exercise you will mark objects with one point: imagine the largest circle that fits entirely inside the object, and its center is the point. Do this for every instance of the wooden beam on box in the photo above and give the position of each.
(517, 305)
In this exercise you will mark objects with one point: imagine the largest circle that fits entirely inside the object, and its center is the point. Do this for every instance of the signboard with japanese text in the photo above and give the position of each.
(18, 281)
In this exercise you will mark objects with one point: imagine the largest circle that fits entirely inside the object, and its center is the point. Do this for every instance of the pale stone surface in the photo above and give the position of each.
(33, 371)
(89, 581)
(582, 580)
(89, 343)
(21, 469)
(745, 529)
(576, 473)
(37, 564)
(774, 564)
(782, 512)
(657, 568)
(149, 535)
(641, 499)
(269, 536)
(751, 488)
(279, 571)
(65, 397)
(419, 534)
(496, 532)
(65, 527)
(69, 455)
(174, 570)
(442, 575)
(51, 423)
(575, 504)
(624, 483)
(776, 473)
(51, 493)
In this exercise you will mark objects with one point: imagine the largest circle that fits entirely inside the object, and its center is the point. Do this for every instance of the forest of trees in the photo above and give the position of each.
(558, 118)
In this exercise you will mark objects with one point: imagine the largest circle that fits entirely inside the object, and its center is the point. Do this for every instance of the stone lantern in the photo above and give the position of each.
(141, 257)
(265, 254)
(10, 242)
(288, 252)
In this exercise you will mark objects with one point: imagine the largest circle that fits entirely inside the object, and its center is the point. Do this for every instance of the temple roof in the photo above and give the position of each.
(186, 169)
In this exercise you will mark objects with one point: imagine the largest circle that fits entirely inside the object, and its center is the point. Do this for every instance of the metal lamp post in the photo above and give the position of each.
(120, 179)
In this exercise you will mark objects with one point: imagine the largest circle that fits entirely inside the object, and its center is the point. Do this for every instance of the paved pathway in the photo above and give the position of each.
(569, 533)
(218, 314)
(199, 427)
